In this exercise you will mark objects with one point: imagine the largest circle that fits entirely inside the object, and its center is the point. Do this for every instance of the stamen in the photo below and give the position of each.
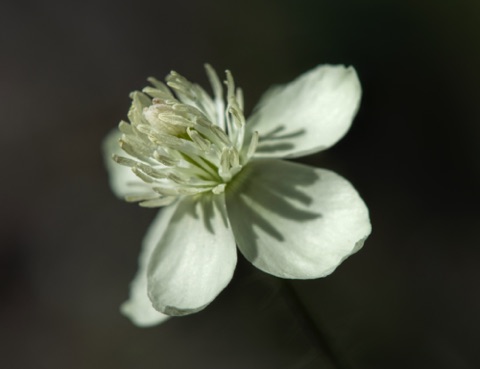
(136, 151)
(219, 189)
(151, 172)
(139, 101)
(181, 142)
(202, 143)
(212, 133)
(252, 146)
(233, 157)
(224, 165)
(234, 109)
(230, 85)
(124, 161)
(162, 201)
(160, 86)
(166, 191)
(156, 93)
(218, 94)
(165, 160)
(221, 135)
(140, 197)
(201, 167)
(239, 96)
(144, 177)
(125, 128)
(177, 179)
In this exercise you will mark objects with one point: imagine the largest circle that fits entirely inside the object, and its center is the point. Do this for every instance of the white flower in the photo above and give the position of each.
(222, 183)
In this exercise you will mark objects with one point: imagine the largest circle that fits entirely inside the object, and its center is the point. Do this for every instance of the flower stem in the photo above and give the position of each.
(315, 332)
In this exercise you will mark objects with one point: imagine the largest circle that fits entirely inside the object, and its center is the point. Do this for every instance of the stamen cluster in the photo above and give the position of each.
(180, 141)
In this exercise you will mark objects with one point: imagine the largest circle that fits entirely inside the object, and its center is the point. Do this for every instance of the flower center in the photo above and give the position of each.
(184, 143)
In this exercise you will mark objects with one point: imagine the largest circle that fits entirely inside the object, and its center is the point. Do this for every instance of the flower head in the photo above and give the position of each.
(221, 182)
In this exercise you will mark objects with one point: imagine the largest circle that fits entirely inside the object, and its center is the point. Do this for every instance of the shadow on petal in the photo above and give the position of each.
(195, 257)
(264, 193)
(204, 208)
(277, 140)
(317, 110)
(295, 221)
(251, 217)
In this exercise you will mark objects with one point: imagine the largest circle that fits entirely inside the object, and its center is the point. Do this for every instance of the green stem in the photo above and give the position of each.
(315, 332)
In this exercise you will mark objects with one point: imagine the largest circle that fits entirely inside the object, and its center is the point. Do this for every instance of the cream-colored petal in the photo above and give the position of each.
(195, 258)
(296, 221)
(307, 115)
(139, 307)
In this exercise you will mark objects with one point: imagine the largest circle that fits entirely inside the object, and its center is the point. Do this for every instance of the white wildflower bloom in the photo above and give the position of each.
(222, 182)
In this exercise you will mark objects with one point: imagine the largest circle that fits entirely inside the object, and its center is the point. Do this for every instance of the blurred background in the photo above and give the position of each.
(68, 247)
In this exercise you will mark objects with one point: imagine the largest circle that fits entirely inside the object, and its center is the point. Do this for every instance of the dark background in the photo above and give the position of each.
(68, 248)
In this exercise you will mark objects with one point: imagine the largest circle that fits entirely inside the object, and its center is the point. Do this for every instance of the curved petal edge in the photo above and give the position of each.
(138, 308)
(195, 259)
(307, 115)
(295, 221)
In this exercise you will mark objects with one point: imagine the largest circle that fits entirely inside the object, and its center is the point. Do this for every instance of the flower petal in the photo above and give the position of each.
(139, 307)
(295, 221)
(195, 258)
(122, 180)
(307, 115)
